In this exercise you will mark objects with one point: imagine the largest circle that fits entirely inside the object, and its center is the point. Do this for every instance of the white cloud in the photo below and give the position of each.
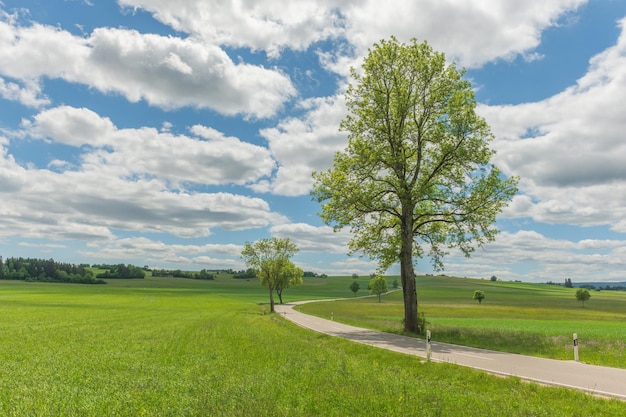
(303, 145)
(268, 26)
(314, 239)
(162, 255)
(530, 256)
(165, 71)
(211, 159)
(569, 150)
(29, 94)
(470, 32)
(124, 182)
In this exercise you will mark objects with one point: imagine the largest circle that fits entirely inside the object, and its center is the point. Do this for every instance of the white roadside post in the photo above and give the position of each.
(575, 347)
(428, 349)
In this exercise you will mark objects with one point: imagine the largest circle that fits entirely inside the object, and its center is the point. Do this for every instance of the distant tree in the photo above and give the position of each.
(582, 295)
(355, 287)
(270, 259)
(568, 283)
(479, 295)
(494, 278)
(378, 286)
(247, 274)
(204, 274)
(290, 276)
(395, 284)
(355, 276)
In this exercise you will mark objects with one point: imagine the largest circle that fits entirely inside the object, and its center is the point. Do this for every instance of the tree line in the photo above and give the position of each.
(46, 270)
(120, 271)
(203, 274)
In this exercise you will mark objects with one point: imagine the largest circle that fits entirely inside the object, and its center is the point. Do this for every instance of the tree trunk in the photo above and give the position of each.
(271, 300)
(280, 295)
(407, 273)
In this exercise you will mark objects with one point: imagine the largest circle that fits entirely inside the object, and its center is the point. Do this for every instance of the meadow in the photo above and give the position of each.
(178, 347)
(525, 318)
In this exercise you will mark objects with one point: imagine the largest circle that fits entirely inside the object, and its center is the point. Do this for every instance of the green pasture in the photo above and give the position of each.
(532, 319)
(178, 347)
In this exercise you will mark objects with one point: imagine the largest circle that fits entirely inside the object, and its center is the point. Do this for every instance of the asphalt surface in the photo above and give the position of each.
(598, 380)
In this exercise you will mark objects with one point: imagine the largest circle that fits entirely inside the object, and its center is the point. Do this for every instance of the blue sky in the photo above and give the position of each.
(168, 133)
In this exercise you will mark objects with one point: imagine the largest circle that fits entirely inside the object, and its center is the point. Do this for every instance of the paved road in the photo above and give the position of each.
(600, 380)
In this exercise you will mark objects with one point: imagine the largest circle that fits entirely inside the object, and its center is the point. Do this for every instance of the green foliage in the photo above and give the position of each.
(494, 278)
(270, 259)
(289, 276)
(203, 274)
(123, 271)
(582, 295)
(355, 287)
(247, 274)
(479, 295)
(378, 286)
(416, 174)
(45, 270)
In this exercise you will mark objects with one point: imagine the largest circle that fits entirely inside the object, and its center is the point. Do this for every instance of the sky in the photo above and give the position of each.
(168, 134)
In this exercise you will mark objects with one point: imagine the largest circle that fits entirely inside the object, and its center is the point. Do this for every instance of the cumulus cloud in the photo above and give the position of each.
(158, 254)
(167, 72)
(569, 149)
(261, 26)
(208, 158)
(28, 94)
(306, 144)
(529, 255)
(473, 32)
(125, 181)
(310, 238)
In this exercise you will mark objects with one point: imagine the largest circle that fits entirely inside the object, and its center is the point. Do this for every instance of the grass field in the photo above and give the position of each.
(177, 347)
(533, 319)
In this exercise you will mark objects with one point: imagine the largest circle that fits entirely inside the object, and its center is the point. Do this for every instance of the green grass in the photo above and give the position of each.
(532, 319)
(176, 347)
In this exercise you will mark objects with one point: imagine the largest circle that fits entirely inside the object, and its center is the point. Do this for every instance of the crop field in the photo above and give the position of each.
(179, 347)
(532, 319)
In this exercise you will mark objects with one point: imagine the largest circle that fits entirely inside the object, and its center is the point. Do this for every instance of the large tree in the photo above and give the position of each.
(271, 260)
(415, 178)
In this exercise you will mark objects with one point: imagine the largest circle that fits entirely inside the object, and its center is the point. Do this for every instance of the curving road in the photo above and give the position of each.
(599, 380)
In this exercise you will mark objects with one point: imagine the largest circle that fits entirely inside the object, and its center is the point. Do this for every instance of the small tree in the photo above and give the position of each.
(582, 295)
(378, 286)
(355, 276)
(494, 278)
(355, 287)
(479, 295)
(289, 277)
(270, 259)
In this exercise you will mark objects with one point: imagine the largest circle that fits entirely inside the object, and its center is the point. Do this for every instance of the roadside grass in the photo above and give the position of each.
(180, 347)
(525, 318)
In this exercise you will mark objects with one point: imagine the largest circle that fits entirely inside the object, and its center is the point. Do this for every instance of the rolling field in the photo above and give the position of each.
(177, 347)
(532, 319)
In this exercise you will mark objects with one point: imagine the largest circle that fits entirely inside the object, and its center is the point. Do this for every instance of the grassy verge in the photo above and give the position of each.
(198, 349)
(531, 319)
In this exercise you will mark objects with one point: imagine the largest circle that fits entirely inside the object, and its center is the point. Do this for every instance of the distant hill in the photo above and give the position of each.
(600, 285)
